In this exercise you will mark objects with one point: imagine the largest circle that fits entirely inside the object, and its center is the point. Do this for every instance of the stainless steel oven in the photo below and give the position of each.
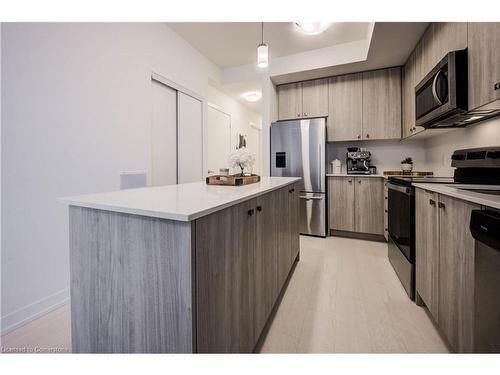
(441, 98)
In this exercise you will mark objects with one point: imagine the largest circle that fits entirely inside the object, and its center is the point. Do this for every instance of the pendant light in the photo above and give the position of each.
(262, 52)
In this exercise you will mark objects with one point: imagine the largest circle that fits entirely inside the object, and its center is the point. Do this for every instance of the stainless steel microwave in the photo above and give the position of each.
(441, 97)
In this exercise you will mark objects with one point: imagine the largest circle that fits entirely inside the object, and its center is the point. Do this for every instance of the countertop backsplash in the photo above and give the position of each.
(386, 155)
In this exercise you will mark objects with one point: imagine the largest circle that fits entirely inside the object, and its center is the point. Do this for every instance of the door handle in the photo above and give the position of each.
(259, 208)
(319, 166)
(432, 202)
(250, 212)
(441, 205)
(434, 89)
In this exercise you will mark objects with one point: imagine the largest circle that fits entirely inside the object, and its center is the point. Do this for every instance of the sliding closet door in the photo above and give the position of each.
(164, 135)
(190, 139)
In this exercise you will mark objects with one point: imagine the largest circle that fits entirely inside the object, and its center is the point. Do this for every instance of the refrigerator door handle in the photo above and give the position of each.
(320, 168)
(310, 198)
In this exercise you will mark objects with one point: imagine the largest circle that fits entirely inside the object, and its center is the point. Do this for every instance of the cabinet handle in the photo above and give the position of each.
(259, 208)
(291, 190)
(350, 181)
(298, 114)
(359, 136)
(432, 202)
(305, 114)
(367, 135)
(441, 205)
(386, 211)
(496, 86)
(359, 181)
(250, 212)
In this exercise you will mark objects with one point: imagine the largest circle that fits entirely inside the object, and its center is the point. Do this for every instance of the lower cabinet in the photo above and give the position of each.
(356, 204)
(445, 265)
(244, 254)
(341, 203)
(427, 245)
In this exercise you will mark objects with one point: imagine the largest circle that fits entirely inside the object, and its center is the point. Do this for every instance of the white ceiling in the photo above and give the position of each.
(235, 43)
(391, 44)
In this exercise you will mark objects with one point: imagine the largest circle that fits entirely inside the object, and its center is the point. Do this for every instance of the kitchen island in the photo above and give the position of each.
(181, 268)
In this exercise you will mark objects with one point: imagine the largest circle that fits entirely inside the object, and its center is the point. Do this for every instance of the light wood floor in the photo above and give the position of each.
(343, 297)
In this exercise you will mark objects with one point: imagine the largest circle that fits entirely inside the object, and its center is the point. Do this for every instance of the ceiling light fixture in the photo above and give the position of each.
(252, 96)
(312, 28)
(262, 52)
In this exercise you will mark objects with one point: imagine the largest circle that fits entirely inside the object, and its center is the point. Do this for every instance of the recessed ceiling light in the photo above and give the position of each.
(312, 28)
(252, 96)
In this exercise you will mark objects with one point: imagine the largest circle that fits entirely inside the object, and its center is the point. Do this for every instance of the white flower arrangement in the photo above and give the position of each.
(241, 158)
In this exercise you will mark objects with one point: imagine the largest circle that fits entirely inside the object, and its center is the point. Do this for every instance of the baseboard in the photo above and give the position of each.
(33, 311)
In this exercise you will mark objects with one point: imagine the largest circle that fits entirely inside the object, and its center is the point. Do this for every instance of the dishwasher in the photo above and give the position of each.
(485, 228)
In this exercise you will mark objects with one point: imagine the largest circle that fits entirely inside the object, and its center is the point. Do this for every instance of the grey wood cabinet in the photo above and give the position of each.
(290, 101)
(356, 204)
(456, 273)
(369, 205)
(303, 99)
(382, 104)
(345, 115)
(484, 63)
(315, 98)
(225, 280)
(341, 203)
(294, 221)
(427, 243)
(241, 271)
(266, 260)
(445, 265)
(408, 98)
(284, 240)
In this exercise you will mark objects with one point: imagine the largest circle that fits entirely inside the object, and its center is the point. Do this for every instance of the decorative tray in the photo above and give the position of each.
(232, 180)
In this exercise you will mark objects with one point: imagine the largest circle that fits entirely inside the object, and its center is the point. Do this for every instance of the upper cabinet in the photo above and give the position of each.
(483, 63)
(315, 98)
(290, 101)
(408, 99)
(382, 104)
(345, 118)
(303, 99)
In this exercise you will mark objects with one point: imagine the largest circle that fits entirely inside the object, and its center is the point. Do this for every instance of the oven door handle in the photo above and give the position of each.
(401, 189)
(434, 88)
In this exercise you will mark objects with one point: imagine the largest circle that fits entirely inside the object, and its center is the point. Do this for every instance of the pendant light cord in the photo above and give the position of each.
(262, 32)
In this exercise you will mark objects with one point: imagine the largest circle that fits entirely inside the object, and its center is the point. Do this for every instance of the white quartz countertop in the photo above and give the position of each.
(183, 202)
(355, 175)
(453, 190)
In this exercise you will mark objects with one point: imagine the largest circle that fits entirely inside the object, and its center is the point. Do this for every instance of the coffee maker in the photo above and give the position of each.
(358, 161)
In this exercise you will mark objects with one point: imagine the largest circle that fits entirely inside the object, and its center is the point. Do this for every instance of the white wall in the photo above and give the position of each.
(241, 117)
(76, 100)
(386, 155)
(439, 149)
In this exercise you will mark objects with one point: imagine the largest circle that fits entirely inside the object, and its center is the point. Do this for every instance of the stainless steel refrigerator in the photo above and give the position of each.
(298, 150)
